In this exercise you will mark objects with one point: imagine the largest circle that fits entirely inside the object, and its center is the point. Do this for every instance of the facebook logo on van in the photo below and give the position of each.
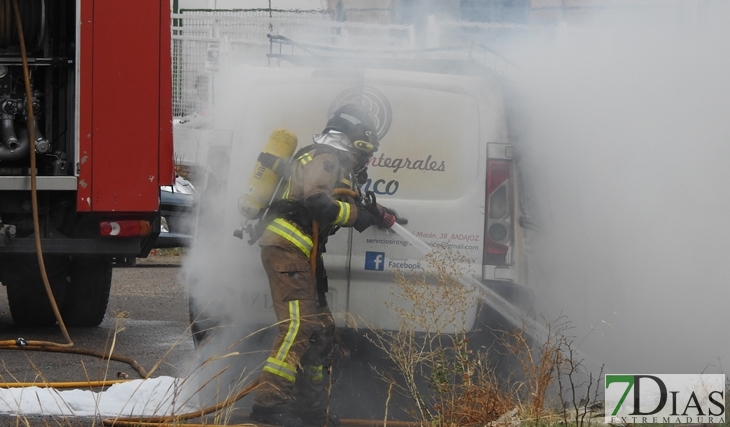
(374, 261)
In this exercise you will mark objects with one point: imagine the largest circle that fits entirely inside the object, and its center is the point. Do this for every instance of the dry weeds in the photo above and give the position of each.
(432, 347)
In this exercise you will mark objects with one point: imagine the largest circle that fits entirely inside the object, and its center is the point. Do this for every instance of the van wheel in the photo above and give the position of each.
(27, 297)
(90, 281)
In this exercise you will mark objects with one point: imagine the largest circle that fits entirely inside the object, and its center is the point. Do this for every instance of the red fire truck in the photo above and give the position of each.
(99, 75)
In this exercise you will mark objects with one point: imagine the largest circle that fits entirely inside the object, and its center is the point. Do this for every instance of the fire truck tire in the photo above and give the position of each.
(87, 296)
(27, 297)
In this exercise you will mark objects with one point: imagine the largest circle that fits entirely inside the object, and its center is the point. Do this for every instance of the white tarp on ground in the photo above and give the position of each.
(154, 396)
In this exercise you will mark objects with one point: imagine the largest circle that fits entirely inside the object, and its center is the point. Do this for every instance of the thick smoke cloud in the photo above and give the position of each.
(626, 144)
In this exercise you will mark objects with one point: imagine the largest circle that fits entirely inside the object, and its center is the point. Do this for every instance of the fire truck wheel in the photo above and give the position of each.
(88, 291)
(27, 297)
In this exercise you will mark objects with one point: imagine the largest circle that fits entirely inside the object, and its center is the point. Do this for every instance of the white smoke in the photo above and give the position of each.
(625, 153)
(627, 136)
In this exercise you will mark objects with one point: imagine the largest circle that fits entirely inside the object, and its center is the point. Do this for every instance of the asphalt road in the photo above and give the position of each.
(147, 320)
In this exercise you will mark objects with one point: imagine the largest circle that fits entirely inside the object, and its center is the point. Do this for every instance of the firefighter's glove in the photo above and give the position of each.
(364, 219)
(385, 218)
(368, 202)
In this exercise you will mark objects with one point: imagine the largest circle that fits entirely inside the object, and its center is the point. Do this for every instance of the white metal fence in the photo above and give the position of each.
(202, 37)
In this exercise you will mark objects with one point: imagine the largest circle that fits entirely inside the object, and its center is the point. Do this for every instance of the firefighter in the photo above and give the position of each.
(291, 390)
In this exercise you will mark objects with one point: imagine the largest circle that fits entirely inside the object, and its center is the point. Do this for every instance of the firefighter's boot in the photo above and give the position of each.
(280, 415)
(272, 403)
(309, 401)
(317, 417)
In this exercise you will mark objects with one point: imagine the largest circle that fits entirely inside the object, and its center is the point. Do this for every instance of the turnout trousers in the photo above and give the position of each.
(293, 377)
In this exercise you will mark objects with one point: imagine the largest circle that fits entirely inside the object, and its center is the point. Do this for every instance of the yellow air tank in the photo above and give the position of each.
(266, 175)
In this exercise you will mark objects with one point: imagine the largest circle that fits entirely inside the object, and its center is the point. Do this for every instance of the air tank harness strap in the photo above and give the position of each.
(288, 231)
(315, 249)
(275, 163)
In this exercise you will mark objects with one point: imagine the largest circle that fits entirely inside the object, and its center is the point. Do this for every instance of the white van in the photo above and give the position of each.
(446, 164)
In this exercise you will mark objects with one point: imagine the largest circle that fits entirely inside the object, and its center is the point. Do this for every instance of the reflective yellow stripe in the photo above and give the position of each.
(344, 215)
(285, 195)
(288, 231)
(294, 322)
(305, 158)
(277, 365)
(313, 372)
(346, 182)
(281, 369)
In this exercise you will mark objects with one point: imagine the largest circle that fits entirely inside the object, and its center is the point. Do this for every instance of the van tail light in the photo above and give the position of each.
(126, 228)
(498, 213)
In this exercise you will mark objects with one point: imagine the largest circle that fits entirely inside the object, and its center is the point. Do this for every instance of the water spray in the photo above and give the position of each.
(508, 310)
(513, 314)
(417, 243)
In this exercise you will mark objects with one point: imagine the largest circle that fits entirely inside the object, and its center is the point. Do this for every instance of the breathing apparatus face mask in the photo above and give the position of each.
(365, 153)
(365, 147)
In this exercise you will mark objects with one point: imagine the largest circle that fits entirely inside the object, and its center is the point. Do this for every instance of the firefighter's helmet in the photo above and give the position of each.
(360, 135)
